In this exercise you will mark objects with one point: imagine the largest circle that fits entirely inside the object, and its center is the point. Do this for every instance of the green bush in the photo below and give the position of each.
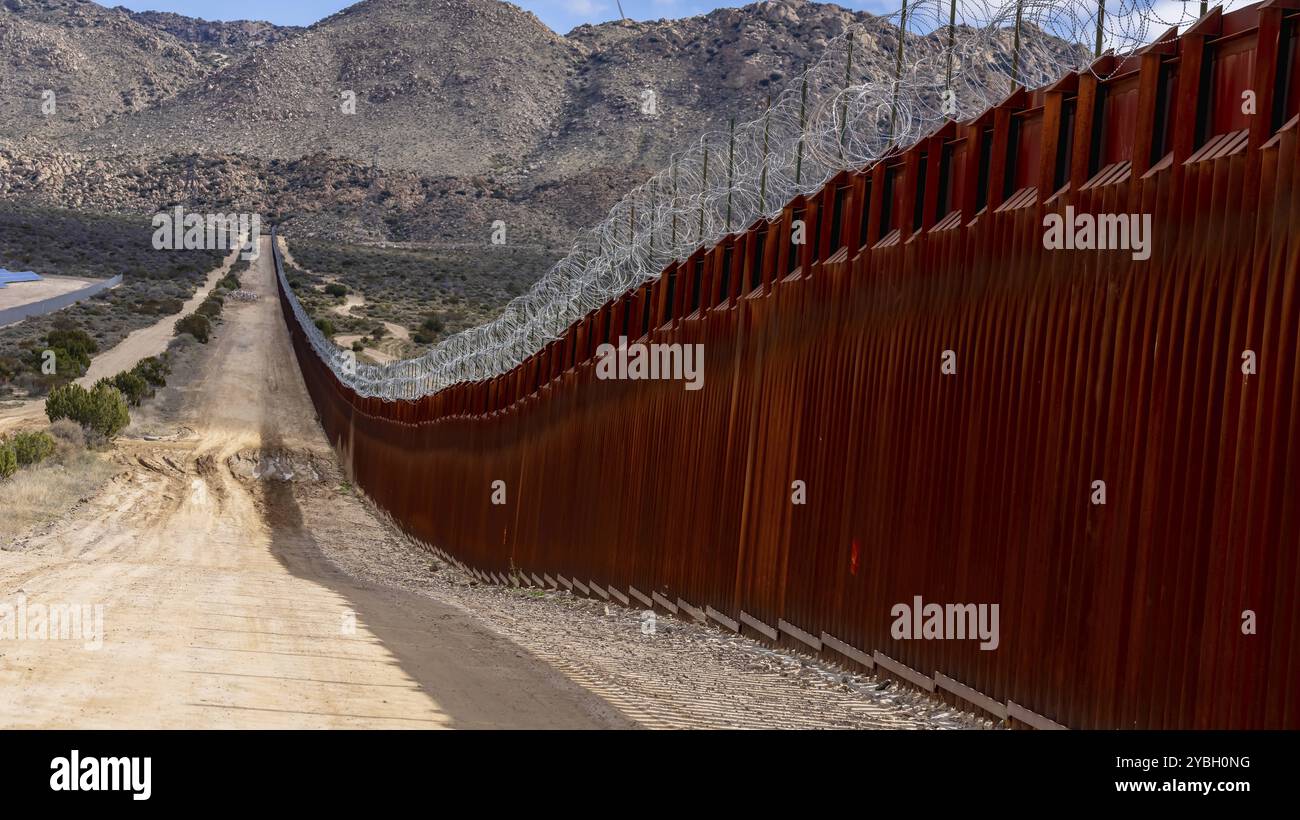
(72, 348)
(153, 370)
(8, 461)
(108, 413)
(230, 282)
(67, 401)
(133, 387)
(335, 289)
(211, 308)
(325, 326)
(433, 324)
(197, 325)
(101, 410)
(74, 341)
(31, 447)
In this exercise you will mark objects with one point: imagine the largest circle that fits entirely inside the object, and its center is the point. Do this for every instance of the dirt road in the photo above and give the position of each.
(219, 609)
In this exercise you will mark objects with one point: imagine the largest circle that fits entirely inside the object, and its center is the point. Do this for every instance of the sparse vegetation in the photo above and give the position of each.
(43, 492)
(401, 285)
(140, 382)
(8, 461)
(211, 307)
(101, 411)
(433, 324)
(196, 325)
(68, 435)
(70, 243)
(31, 447)
(131, 385)
(66, 348)
(154, 370)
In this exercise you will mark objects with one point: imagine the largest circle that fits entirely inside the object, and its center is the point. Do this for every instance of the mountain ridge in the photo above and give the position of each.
(464, 108)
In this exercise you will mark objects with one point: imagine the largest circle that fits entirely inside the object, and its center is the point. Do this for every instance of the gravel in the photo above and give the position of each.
(681, 674)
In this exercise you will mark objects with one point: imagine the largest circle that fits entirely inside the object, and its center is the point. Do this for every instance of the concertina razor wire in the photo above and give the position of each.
(878, 87)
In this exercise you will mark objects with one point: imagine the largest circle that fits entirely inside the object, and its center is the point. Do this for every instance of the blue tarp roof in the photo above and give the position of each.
(7, 276)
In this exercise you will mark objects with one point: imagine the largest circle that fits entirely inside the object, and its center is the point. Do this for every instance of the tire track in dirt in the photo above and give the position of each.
(219, 609)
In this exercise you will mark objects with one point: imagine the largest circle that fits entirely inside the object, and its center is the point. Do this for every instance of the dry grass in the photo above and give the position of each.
(41, 494)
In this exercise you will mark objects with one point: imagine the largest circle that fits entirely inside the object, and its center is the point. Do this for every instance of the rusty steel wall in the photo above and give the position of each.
(977, 487)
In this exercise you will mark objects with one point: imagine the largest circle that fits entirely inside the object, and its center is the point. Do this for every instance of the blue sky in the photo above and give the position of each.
(561, 15)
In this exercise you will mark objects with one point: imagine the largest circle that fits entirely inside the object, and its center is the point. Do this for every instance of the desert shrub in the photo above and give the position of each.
(72, 348)
(133, 387)
(153, 370)
(31, 447)
(178, 344)
(67, 401)
(422, 337)
(230, 282)
(196, 325)
(108, 413)
(433, 324)
(68, 432)
(378, 332)
(101, 411)
(357, 346)
(74, 340)
(8, 460)
(335, 289)
(211, 308)
(325, 326)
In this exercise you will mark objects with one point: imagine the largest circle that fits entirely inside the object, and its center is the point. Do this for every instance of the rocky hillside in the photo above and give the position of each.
(98, 62)
(465, 110)
(441, 86)
(216, 43)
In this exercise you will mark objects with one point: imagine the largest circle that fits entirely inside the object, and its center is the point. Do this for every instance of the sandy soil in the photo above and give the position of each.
(349, 301)
(220, 609)
(21, 293)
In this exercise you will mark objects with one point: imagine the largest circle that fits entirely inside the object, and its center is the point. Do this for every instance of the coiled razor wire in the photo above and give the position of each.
(880, 86)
